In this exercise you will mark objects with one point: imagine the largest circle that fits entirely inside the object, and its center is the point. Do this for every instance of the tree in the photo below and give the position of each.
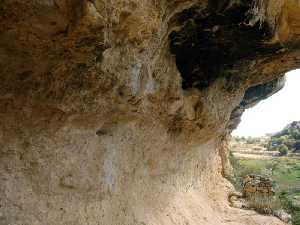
(250, 140)
(297, 146)
(295, 134)
(283, 139)
(237, 139)
(273, 144)
(283, 150)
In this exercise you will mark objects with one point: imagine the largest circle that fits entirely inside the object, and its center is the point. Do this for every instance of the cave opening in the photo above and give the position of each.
(272, 114)
(266, 144)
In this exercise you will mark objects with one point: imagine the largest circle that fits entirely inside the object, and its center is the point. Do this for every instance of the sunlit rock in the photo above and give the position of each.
(116, 112)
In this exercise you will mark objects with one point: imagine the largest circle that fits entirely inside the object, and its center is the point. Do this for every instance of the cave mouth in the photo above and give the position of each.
(266, 144)
(214, 42)
(271, 115)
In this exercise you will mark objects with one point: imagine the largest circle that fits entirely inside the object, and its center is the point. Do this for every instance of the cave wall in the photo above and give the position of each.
(117, 112)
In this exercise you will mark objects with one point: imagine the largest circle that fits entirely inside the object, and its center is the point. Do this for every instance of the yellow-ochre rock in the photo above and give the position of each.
(117, 112)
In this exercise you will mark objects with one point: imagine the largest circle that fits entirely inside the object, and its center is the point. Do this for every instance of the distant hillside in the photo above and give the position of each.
(287, 140)
(290, 130)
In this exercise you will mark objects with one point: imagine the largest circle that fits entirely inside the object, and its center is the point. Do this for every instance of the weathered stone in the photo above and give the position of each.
(117, 111)
(281, 214)
(258, 192)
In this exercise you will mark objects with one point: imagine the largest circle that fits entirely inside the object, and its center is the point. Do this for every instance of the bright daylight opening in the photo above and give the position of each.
(265, 153)
(273, 114)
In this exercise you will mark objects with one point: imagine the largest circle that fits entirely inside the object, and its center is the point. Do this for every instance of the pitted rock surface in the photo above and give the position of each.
(117, 112)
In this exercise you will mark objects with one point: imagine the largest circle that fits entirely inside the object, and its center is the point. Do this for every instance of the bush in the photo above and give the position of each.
(249, 141)
(283, 149)
(287, 204)
(297, 146)
(295, 134)
(252, 140)
(273, 144)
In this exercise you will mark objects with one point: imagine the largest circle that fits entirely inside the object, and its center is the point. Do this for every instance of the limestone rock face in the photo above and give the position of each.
(116, 112)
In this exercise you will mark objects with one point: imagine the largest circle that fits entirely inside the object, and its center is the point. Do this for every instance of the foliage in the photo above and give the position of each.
(287, 204)
(236, 178)
(248, 140)
(283, 149)
(287, 139)
(297, 145)
(285, 172)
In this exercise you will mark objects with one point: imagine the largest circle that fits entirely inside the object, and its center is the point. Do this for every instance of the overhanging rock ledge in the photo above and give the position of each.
(116, 112)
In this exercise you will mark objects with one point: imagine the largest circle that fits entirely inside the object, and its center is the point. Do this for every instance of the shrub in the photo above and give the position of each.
(250, 140)
(262, 203)
(283, 149)
(295, 134)
(297, 146)
(288, 205)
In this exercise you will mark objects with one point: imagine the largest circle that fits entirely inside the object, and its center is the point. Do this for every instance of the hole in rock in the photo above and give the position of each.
(266, 144)
(274, 113)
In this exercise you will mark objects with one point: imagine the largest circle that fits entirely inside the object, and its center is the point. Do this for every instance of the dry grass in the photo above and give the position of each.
(263, 203)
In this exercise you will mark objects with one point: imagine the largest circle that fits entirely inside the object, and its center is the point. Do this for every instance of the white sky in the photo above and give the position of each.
(274, 113)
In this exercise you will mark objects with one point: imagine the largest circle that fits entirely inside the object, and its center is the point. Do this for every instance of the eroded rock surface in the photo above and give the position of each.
(116, 112)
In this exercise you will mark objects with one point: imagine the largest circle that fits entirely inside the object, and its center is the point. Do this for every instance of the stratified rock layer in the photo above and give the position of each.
(116, 112)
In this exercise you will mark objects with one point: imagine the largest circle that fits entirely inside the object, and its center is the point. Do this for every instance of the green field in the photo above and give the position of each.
(284, 171)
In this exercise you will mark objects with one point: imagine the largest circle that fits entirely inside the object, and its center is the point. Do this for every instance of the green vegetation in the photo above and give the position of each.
(283, 149)
(287, 140)
(258, 141)
(285, 172)
(248, 140)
